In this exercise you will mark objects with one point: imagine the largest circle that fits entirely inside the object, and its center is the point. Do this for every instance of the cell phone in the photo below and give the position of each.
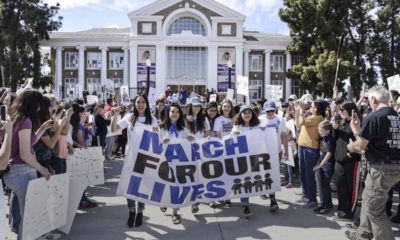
(3, 112)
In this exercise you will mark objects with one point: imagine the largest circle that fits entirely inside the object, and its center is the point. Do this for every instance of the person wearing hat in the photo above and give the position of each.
(271, 120)
(246, 120)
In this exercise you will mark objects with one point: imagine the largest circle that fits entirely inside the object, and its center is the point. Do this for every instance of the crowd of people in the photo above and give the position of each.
(350, 147)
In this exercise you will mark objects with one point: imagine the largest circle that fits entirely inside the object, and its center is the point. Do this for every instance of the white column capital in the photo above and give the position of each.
(269, 51)
(103, 48)
(81, 48)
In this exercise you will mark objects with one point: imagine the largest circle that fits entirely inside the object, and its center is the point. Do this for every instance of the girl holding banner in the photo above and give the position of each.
(174, 127)
(141, 115)
(246, 120)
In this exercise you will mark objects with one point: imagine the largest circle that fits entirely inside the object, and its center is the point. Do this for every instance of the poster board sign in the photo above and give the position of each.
(125, 98)
(109, 85)
(230, 94)
(243, 85)
(213, 97)
(394, 82)
(152, 96)
(87, 164)
(3, 212)
(290, 159)
(156, 173)
(92, 99)
(274, 93)
(76, 188)
(46, 205)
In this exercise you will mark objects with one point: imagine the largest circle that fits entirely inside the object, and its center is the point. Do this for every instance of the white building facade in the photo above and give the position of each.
(178, 43)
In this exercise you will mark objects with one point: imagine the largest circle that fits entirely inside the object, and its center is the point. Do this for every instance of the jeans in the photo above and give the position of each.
(15, 216)
(374, 221)
(244, 201)
(132, 205)
(58, 164)
(109, 145)
(17, 180)
(288, 171)
(308, 158)
(323, 177)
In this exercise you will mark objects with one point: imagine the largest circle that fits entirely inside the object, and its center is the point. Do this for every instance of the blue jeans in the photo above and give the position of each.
(288, 172)
(14, 218)
(58, 164)
(109, 146)
(324, 176)
(17, 180)
(244, 201)
(132, 205)
(308, 158)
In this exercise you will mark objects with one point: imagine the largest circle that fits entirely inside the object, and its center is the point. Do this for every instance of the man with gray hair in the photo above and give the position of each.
(379, 140)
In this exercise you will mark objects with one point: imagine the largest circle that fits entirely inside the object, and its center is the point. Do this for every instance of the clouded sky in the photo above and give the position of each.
(262, 15)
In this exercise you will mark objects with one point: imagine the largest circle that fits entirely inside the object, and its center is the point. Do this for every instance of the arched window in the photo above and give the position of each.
(187, 24)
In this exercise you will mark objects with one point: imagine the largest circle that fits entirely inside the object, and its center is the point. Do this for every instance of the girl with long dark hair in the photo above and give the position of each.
(346, 162)
(160, 111)
(211, 116)
(195, 119)
(141, 115)
(26, 132)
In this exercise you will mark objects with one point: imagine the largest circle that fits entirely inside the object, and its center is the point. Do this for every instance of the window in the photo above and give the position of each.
(226, 30)
(296, 89)
(256, 63)
(116, 60)
(297, 60)
(277, 63)
(255, 89)
(277, 82)
(94, 85)
(71, 60)
(70, 88)
(189, 62)
(117, 82)
(147, 27)
(93, 60)
(186, 24)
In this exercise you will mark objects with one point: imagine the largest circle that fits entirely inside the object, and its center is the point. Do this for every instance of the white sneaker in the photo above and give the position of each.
(50, 236)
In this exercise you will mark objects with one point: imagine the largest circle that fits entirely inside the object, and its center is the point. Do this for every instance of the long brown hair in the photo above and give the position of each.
(147, 112)
(26, 105)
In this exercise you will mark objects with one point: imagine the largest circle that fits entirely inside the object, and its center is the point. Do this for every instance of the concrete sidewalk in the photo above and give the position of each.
(292, 221)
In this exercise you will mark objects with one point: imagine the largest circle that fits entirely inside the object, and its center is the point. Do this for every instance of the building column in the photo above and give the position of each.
(239, 61)
(59, 82)
(81, 71)
(103, 73)
(133, 66)
(267, 76)
(288, 80)
(212, 81)
(246, 63)
(126, 67)
(160, 69)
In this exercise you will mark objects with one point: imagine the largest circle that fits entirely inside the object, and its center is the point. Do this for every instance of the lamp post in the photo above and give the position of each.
(148, 64)
(229, 63)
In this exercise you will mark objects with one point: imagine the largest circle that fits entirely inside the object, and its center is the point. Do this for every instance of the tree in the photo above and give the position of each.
(23, 24)
(386, 38)
(315, 28)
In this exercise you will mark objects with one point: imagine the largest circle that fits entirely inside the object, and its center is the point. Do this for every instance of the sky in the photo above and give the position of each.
(262, 15)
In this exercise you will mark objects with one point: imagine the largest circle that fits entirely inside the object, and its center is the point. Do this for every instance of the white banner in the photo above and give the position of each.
(92, 99)
(3, 211)
(394, 82)
(87, 163)
(46, 205)
(181, 173)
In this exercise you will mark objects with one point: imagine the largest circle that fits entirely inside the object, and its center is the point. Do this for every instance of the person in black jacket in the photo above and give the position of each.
(101, 124)
(346, 162)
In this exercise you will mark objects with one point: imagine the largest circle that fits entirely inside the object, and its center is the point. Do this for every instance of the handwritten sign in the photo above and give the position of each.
(46, 205)
(394, 82)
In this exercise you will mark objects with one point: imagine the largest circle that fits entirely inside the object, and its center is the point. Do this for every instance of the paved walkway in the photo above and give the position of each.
(292, 221)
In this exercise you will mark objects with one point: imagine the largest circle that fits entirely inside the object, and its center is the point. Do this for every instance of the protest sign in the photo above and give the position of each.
(46, 205)
(290, 159)
(92, 99)
(181, 173)
(3, 211)
(124, 92)
(274, 93)
(243, 85)
(76, 189)
(152, 96)
(213, 97)
(86, 163)
(109, 85)
(230, 93)
(394, 82)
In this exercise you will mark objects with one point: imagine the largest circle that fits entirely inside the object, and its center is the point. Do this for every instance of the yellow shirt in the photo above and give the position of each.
(309, 136)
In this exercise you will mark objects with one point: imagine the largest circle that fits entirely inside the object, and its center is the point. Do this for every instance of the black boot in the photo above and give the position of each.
(131, 219)
(139, 219)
